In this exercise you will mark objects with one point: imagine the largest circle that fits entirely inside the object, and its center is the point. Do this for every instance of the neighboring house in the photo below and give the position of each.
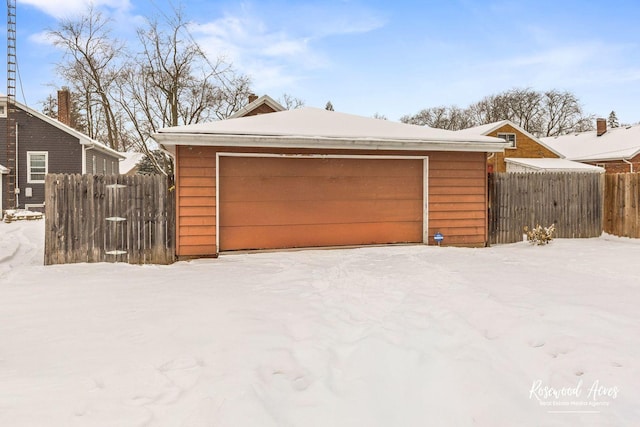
(131, 163)
(522, 144)
(46, 145)
(256, 106)
(549, 165)
(616, 150)
(312, 178)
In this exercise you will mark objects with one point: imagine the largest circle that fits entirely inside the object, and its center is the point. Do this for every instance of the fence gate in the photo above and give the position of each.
(571, 201)
(111, 218)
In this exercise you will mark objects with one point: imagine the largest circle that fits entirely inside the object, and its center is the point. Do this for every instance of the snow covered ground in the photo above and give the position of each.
(513, 335)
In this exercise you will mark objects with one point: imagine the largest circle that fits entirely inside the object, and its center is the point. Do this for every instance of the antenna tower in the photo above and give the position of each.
(11, 102)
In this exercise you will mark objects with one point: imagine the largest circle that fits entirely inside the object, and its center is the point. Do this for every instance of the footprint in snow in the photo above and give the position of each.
(536, 343)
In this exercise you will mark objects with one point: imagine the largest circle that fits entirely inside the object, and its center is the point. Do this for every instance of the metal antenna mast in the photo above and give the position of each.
(11, 102)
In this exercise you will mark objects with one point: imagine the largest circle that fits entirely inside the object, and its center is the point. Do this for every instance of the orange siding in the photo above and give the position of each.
(196, 201)
(457, 196)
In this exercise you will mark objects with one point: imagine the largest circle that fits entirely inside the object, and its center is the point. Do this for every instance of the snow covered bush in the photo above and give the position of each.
(540, 235)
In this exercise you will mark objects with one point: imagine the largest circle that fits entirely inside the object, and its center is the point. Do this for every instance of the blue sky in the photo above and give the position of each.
(387, 57)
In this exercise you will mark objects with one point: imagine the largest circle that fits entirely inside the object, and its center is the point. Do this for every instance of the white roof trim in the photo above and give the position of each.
(84, 139)
(3, 169)
(264, 99)
(169, 141)
(603, 156)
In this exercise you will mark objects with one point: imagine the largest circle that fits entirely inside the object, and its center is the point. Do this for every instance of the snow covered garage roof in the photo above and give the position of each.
(318, 128)
(552, 165)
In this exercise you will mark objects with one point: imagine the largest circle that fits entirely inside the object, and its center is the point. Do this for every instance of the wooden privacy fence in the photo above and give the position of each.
(571, 201)
(621, 204)
(111, 218)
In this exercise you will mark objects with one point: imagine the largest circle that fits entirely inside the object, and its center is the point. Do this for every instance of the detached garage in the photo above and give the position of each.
(317, 178)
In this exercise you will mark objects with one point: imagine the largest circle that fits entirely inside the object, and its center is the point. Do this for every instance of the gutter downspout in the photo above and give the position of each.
(629, 163)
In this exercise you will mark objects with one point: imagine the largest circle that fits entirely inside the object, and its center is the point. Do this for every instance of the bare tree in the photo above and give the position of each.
(172, 82)
(166, 80)
(560, 112)
(289, 102)
(91, 65)
(541, 113)
(451, 118)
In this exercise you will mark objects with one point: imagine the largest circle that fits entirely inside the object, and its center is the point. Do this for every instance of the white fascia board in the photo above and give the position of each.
(168, 140)
(100, 147)
(598, 158)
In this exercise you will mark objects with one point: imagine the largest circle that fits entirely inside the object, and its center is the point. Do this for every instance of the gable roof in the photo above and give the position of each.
(3, 169)
(264, 99)
(318, 128)
(615, 144)
(554, 165)
(84, 139)
(492, 127)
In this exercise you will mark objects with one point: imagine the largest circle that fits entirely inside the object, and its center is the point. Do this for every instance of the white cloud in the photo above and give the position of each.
(41, 38)
(278, 54)
(61, 9)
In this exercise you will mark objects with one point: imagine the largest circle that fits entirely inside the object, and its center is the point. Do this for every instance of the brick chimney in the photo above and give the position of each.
(64, 107)
(601, 126)
(252, 97)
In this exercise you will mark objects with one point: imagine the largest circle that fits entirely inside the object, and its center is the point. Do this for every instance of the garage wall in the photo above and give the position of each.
(458, 198)
(457, 195)
(195, 201)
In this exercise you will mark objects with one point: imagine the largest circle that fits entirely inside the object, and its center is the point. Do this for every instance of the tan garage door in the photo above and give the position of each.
(283, 202)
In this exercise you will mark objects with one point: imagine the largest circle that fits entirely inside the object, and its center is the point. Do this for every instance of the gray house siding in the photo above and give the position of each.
(104, 163)
(64, 155)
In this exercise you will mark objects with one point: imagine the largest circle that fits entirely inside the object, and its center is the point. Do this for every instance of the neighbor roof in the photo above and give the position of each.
(491, 127)
(264, 99)
(319, 128)
(555, 165)
(131, 160)
(84, 139)
(614, 144)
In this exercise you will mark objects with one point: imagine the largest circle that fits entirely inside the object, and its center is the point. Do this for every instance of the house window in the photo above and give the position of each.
(37, 162)
(93, 165)
(113, 168)
(510, 138)
(104, 166)
(3, 110)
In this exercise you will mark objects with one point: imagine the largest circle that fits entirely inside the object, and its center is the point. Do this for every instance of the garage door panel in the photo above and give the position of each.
(320, 212)
(287, 202)
(272, 166)
(260, 188)
(302, 236)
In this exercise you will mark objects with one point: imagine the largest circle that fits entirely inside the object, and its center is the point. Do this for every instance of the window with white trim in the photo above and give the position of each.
(104, 166)
(37, 166)
(93, 165)
(510, 138)
(3, 109)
